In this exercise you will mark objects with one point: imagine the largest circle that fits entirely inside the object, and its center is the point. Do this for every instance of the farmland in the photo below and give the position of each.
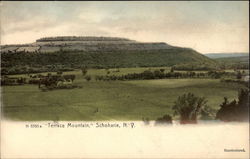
(110, 100)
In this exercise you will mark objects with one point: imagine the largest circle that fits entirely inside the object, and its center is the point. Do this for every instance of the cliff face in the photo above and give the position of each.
(71, 43)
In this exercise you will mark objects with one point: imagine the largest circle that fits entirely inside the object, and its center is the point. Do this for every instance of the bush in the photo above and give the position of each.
(188, 106)
(166, 119)
(88, 78)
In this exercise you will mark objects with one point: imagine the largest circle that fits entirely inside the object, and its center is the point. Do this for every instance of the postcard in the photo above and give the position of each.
(124, 79)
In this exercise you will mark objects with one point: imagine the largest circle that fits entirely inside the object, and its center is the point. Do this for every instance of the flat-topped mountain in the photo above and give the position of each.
(88, 43)
(100, 52)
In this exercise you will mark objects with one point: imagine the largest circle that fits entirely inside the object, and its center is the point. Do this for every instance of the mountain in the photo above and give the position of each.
(240, 62)
(231, 60)
(225, 55)
(86, 44)
(98, 52)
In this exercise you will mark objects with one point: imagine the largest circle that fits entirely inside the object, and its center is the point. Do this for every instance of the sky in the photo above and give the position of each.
(208, 26)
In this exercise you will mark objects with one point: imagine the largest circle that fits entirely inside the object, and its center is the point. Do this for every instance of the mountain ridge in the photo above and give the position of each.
(225, 55)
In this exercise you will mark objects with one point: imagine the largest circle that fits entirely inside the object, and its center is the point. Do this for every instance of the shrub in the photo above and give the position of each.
(188, 106)
(88, 78)
(166, 119)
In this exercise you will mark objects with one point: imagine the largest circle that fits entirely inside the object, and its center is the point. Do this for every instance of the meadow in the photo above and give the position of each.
(110, 100)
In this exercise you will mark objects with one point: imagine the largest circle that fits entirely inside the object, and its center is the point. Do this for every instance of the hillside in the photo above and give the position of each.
(98, 52)
(241, 62)
(225, 55)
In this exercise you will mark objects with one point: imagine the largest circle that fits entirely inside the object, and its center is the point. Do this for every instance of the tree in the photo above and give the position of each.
(172, 69)
(238, 76)
(235, 111)
(59, 72)
(147, 74)
(158, 74)
(162, 70)
(84, 71)
(188, 106)
(49, 74)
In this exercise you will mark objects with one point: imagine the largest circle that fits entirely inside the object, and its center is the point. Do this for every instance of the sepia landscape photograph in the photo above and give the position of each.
(163, 64)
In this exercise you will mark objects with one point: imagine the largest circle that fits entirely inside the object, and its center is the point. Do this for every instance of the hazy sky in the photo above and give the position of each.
(204, 26)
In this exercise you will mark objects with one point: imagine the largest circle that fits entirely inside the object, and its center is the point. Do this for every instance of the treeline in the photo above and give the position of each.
(194, 66)
(239, 81)
(235, 66)
(160, 74)
(220, 65)
(34, 69)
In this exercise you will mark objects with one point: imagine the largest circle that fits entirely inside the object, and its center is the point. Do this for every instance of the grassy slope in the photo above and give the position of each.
(116, 100)
(242, 59)
(234, 62)
(225, 55)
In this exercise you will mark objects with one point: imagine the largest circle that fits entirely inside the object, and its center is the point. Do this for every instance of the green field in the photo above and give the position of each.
(114, 100)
